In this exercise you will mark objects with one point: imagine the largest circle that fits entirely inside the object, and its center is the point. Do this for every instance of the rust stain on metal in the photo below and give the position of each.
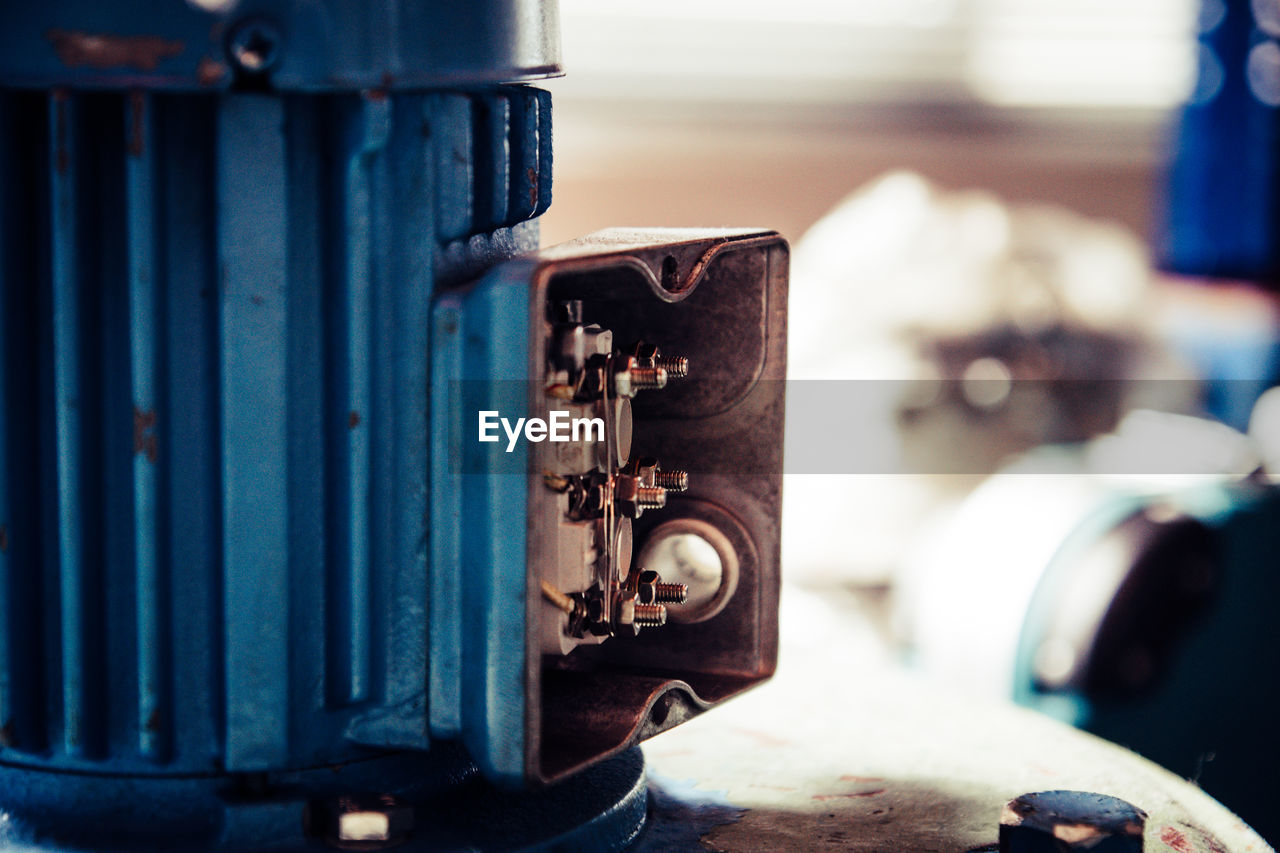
(137, 113)
(153, 721)
(863, 780)
(77, 48)
(852, 795)
(4, 538)
(144, 436)
(762, 738)
(7, 734)
(210, 72)
(1172, 837)
(353, 419)
(533, 186)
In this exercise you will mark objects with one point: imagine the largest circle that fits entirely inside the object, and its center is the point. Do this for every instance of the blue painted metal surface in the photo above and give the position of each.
(314, 46)
(220, 524)
(478, 522)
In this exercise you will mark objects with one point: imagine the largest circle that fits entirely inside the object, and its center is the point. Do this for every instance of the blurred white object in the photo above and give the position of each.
(901, 255)
(1264, 430)
(963, 599)
(957, 325)
(1019, 53)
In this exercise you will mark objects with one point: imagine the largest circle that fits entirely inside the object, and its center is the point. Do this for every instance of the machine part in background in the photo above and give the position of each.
(1125, 604)
(1118, 615)
(1171, 666)
(1221, 216)
(560, 692)
(957, 329)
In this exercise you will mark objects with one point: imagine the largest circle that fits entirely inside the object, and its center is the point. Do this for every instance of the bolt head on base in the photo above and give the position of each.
(1055, 821)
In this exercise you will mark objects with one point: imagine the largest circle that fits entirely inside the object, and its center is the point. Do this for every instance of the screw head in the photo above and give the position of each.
(1055, 821)
(254, 46)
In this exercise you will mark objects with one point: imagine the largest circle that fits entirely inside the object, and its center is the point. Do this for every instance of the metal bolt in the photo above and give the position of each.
(677, 366)
(650, 589)
(672, 481)
(634, 612)
(648, 377)
(633, 497)
(651, 497)
(1056, 821)
(376, 821)
(254, 46)
(670, 593)
(631, 376)
(650, 615)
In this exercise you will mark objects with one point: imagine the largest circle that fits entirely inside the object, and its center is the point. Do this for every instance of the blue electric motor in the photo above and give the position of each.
(260, 587)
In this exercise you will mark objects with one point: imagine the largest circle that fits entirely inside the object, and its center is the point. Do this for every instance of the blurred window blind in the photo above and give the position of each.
(1008, 53)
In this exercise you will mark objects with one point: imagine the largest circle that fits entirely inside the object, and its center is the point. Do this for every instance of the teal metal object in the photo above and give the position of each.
(1206, 712)
(236, 248)
(217, 336)
(479, 587)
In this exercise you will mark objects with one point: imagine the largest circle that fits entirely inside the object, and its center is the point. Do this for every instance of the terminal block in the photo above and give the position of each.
(632, 496)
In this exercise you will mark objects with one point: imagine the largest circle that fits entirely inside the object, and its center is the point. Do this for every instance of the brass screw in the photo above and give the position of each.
(648, 377)
(650, 615)
(651, 497)
(558, 598)
(670, 593)
(672, 481)
(677, 367)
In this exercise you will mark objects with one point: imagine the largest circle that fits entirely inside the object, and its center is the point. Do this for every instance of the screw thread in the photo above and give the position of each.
(648, 377)
(650, 615)
(672, 481)
(677, 366)
(670, 593)
(651, 497)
